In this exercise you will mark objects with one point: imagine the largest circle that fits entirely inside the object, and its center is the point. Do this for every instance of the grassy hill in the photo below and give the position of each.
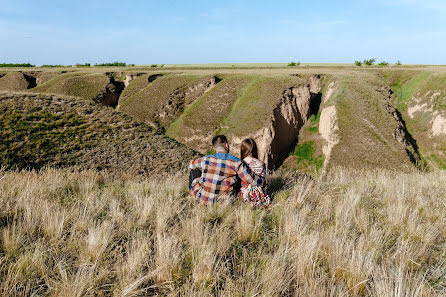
(307, 118)
(39, 131)
(353, 233)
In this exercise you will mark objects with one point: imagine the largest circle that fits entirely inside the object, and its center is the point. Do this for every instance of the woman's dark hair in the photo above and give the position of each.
(248, 147)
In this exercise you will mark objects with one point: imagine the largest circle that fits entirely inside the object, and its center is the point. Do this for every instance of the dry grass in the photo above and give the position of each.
(351, 234)
(13, 81)
(59, 131)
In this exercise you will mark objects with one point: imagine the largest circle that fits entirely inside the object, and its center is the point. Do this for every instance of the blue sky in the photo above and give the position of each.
(171, 31)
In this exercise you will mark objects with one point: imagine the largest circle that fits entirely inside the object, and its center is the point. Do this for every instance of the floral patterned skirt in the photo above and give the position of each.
(255, 196)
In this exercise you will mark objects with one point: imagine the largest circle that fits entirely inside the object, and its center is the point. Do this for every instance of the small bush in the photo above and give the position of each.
(82, 65)
(17, 65)
(358, 63)
(383, 63)
(369, 62)
(293, 64)
(398, 63)
(154, 65)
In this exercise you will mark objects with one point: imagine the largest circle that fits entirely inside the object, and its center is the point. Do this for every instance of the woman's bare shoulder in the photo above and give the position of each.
(254, 162)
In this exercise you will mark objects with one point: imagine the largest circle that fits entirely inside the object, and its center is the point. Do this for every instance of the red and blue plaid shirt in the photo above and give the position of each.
(219, 176)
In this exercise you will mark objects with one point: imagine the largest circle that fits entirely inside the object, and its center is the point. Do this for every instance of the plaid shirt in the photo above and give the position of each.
(219, 175)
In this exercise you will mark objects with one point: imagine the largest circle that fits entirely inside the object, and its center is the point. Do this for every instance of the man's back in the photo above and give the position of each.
(218, 176)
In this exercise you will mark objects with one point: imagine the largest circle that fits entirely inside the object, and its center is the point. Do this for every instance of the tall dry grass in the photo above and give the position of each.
(351, 234)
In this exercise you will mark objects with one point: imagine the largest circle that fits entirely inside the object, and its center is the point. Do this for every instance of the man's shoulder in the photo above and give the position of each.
(225, 157)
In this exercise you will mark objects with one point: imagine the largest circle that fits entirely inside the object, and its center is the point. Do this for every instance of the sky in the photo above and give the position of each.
(185, 32)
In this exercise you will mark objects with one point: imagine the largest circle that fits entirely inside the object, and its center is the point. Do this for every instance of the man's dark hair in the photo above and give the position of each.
(219, 141)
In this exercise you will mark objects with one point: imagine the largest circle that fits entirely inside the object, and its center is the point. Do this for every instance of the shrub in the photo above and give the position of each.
(383, 63)
(293, 64)
(358, 63)
(82, 65)
(369, 62)
(154, 65)
(398, 63)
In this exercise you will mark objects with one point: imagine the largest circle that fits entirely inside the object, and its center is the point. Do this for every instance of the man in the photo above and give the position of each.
(213, 178)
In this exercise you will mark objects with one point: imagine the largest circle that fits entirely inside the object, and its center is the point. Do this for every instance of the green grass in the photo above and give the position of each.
(305, 156)
(405, 89)
(314, 122)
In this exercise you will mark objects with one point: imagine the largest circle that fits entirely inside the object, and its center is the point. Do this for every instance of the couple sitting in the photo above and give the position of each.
(222, 177)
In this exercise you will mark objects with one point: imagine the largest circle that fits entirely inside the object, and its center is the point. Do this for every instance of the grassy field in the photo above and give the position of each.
(351, 233)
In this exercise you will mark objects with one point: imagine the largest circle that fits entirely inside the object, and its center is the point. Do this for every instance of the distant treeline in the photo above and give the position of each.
(50, 65)
(17, 65)
(115, 64)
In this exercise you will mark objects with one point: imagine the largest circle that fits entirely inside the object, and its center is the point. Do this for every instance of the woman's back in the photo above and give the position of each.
(253, 194)
(256, 165)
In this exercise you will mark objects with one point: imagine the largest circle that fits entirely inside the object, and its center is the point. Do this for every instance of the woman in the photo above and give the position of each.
(253, 195)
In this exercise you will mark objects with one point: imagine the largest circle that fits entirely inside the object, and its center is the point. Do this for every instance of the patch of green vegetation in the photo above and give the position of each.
(369, 62)
(314, 122)
(405, 89)
(304, 153)
(293, 64)
(358, 63)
